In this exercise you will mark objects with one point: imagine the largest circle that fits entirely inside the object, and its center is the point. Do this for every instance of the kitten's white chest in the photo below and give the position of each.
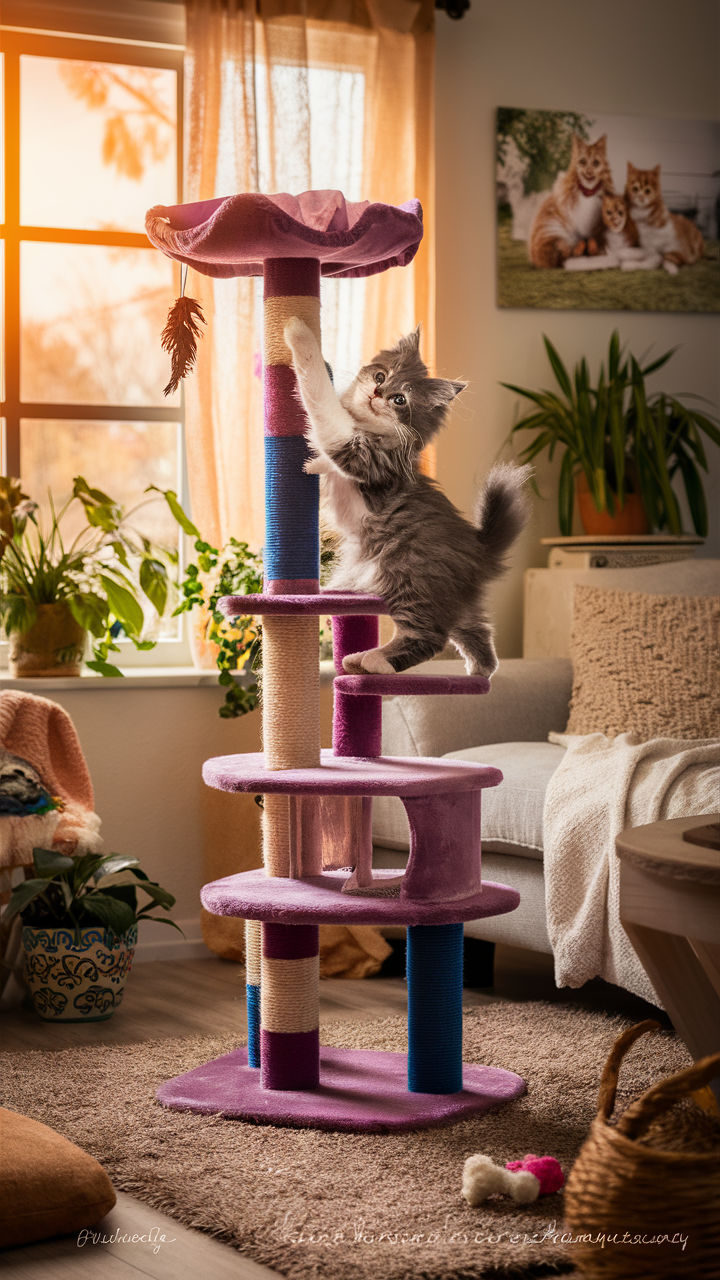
(615, 241)
(585, 214)
(655, 239)
(345, 502)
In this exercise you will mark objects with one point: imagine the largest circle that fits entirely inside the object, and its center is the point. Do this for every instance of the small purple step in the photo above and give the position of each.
(321, 602)
(348, 776)
(390, 686)
(361, 1091)
(253, 895)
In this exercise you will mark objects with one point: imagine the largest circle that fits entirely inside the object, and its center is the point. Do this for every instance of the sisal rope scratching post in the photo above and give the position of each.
(289, 1036)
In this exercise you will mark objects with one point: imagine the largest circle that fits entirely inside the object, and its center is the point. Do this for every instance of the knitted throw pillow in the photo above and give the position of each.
(48, 1186)
(645, 664)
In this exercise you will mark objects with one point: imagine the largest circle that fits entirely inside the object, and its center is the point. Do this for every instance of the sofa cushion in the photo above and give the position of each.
(644, 664)
(511, 813)
(48, 1186)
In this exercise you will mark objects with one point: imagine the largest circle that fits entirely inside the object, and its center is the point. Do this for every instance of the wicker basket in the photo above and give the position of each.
(653, 1173)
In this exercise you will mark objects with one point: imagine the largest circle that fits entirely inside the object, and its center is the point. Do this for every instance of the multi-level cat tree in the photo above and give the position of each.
(318, 804)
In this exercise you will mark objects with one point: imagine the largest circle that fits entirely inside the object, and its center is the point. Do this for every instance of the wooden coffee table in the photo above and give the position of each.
(670, 910)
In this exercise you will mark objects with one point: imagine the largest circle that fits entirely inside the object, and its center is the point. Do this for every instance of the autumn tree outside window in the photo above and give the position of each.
(90, 140)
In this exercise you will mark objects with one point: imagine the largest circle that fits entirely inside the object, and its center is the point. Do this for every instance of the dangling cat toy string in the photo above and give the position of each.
(180, 335)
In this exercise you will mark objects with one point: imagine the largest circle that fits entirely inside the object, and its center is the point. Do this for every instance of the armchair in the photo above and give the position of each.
(509, 729)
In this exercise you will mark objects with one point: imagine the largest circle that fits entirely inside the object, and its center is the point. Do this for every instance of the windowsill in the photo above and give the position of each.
(135, 678)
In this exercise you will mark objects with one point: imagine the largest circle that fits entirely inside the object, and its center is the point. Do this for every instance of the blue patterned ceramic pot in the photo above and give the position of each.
(73, 982)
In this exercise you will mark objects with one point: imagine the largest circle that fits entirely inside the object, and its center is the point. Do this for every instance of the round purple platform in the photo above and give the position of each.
(360, 1091)
(391, 685)
(253, 895)
(320, 602)
(347, 776)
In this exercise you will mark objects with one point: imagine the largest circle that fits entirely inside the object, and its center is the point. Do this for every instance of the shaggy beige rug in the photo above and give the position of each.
(339, 1206)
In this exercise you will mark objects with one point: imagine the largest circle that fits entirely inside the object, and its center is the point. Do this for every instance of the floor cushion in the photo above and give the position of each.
(48, 1186)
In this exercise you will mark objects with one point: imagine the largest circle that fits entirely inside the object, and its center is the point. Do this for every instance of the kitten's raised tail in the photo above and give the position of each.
(501, 513)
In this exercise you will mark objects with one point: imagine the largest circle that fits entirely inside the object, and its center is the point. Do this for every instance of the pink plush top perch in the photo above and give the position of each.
(234, 235)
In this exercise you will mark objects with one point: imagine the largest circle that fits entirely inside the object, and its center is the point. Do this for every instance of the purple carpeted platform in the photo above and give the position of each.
(348, 776)
(320, 602)
(392, 685)
(253, 895)
(360, 1091)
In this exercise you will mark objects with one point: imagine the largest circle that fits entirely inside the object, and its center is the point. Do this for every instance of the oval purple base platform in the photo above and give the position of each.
(253, 895)
(333, 603)
(360, 1091)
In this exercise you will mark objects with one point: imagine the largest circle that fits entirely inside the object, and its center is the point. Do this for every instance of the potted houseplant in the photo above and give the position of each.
(53, 591)
(621, 447)
(80, 920)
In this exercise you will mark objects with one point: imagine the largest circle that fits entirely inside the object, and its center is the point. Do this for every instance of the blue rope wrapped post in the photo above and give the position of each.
(253, 951)
(434, 982)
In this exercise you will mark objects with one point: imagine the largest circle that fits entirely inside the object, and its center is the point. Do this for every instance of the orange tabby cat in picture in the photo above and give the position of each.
(676, 239)
(569, 220)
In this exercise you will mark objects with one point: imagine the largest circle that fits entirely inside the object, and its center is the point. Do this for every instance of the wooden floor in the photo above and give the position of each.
(186, 999)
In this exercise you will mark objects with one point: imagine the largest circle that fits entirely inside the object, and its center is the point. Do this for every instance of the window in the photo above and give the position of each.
(90, 142)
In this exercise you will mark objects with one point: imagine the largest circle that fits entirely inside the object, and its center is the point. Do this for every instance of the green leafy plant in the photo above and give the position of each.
(92, 889)
(234, 570)
(620, 438)
(104, 575)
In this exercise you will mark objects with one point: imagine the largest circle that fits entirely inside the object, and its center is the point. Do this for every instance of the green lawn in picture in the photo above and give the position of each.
(695, 288)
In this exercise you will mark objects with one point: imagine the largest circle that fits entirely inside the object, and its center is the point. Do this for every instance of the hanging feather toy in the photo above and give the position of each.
(179, 338)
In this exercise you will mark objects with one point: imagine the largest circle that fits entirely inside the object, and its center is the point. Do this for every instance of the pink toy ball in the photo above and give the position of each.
(545, 1168)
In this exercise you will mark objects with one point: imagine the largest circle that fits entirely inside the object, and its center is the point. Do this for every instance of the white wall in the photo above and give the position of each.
(642, 57)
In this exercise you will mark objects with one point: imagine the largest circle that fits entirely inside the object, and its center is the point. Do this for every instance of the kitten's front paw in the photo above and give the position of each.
(352, 663)
(375, 662)
(298, 335)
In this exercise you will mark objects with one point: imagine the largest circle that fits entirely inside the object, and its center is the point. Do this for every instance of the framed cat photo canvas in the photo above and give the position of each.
(609, 213)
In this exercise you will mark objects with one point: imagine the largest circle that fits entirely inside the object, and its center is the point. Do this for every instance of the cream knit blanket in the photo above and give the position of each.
(602, 786)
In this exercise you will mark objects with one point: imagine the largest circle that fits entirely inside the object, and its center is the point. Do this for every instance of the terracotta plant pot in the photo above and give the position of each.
(71, 982)
(53, 646)
(630, 519)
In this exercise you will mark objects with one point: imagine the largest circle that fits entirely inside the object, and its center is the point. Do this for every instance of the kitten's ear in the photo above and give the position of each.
(630, 169)
(576, 140)
(656, 171)
(602, 142)
(442, 390)
(411, 341)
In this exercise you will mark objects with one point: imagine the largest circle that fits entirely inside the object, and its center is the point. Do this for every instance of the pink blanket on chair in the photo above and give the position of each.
(40, 732)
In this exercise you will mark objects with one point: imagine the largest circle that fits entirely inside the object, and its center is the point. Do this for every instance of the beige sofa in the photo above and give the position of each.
(508, 728)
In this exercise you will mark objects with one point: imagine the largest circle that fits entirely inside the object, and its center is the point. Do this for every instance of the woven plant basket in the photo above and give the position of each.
(652, 1173)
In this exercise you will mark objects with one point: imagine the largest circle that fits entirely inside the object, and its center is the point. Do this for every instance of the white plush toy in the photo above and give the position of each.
(483, 1178)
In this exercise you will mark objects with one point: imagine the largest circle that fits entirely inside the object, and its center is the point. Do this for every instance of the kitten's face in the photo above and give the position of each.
(614, 212)
(589, 160)
(393, 396)
(643, 186)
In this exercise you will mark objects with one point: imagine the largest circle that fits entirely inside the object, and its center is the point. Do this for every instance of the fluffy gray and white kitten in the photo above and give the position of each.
(401, 537)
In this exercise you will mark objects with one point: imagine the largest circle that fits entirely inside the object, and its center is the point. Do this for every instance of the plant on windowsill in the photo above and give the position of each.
(621, 448)
(53, 592)
(80, 920)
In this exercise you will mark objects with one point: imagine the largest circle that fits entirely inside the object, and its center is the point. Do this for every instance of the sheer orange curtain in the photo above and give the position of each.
(289, 97)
